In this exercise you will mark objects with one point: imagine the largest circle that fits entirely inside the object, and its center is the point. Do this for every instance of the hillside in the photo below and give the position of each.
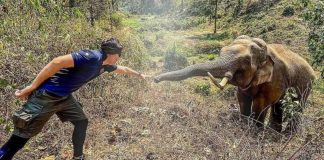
(135, 119)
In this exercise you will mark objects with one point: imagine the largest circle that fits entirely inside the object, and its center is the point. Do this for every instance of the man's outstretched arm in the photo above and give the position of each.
(129, 71)
(49, 70)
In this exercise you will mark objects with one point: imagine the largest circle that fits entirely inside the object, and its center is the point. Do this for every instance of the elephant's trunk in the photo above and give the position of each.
(218, 68)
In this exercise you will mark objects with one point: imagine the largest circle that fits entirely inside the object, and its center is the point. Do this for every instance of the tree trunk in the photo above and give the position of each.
(215, 22)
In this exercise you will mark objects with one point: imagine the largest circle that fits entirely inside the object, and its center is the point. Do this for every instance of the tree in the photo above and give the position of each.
(215, 22)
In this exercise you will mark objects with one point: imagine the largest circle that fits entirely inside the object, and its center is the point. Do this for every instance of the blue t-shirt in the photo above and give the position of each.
(87, 66)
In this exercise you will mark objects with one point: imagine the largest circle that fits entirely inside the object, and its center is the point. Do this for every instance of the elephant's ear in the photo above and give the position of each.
(264, 72)
(263, 62)
(260, 42)
(259, 51)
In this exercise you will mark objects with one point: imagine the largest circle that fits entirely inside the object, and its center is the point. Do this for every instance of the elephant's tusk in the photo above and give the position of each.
(220, 86)
(224, 82)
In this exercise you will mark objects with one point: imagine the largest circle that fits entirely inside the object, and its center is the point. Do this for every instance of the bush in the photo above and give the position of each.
(217, 36)
(288, 11)
(291, 107)
(203, 89)
(174, 61)
(228, 94)
(171, 23)
(116, 19)
(3, 83)
(211, 57)
(314, 16)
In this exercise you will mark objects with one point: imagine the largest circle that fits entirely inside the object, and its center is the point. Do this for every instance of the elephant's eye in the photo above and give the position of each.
(246, 60)
(238, 74)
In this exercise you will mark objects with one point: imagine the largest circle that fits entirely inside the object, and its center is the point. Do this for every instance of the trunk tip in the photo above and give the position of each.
(157, 80)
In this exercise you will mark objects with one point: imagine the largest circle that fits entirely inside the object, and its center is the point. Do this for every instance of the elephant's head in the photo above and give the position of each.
(245, 62)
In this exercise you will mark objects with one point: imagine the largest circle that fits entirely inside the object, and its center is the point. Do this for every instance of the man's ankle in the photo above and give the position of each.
(82, 157)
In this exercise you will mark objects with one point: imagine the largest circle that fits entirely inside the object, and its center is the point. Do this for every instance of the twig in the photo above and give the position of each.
(284, 147)
(300, 148)
(267, 127)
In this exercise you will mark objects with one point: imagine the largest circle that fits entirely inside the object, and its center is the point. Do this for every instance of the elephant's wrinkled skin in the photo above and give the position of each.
(262, 72)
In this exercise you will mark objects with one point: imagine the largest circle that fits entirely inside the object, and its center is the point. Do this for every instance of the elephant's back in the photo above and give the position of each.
(297, 67)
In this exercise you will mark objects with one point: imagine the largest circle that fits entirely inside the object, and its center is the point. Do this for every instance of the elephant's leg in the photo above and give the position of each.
(276, 117)
(245, 103)
(259, 110)
(303, 92)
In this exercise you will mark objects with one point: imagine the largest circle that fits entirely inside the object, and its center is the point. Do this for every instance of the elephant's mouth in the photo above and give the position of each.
(246, 87)
(228, 77)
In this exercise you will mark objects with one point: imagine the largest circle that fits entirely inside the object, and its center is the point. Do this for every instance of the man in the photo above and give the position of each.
(50, 93)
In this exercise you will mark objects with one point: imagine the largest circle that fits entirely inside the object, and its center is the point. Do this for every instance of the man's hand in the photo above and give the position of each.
(145, 77)
(129, 71)
(24, 93)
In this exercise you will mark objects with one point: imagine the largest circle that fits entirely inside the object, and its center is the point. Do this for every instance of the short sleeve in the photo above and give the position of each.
(110, 68)
(83, 58)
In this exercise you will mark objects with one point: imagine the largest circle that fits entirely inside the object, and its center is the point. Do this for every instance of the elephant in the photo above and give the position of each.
(262, 73)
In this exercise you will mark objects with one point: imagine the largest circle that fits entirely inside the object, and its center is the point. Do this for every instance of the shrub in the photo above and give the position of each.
(116, 19)
(314, 16)
(291, 107)
(203, 89)
(288, 11)
(218, 37)
(3, 83)
(211, 57)
(174, 61)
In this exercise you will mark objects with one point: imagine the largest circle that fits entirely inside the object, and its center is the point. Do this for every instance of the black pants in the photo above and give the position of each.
(14, 144)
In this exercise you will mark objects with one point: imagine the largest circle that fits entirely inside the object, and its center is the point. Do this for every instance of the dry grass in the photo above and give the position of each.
(134, 119)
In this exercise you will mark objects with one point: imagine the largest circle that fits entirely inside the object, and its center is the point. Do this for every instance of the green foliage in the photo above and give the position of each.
(3, 83)
(291, 107)
(228, 94)
(288, 11)
(117, 19)
(1, 45)
(208, 47)
(171, 23)
(131, 22)
(149, 6)
(201, 8)
(36, 5)
(314, 15)
(135, 53)
(7, 125)
(219, 37)
(211, 56)
(78, 13)
(203, 89)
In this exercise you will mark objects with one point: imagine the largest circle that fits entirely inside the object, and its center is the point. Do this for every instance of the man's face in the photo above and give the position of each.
(112, 58)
